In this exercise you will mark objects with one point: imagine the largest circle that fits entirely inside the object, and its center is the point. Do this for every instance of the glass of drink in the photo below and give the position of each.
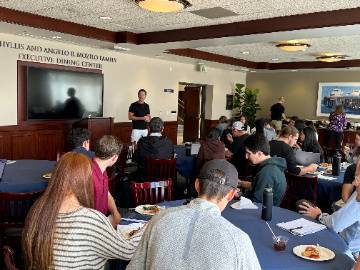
(279, 242)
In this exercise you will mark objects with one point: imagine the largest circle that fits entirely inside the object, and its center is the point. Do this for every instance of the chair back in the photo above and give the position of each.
(160, 169)
(14, 208)
(328, 154)
(152, 192)
(299, 187)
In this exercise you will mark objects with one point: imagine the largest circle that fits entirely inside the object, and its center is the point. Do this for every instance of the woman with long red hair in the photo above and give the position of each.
(62, 231)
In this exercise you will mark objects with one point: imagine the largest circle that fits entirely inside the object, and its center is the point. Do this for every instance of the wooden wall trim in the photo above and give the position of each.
(212, 57)
(286, 23)
(46, 140)
(51, 24)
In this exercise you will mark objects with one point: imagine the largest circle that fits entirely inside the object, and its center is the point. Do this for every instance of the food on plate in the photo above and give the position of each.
(133, 232)
(151, 209)
(47, 175)
(324, 164)
(328, 171)
(311, 252)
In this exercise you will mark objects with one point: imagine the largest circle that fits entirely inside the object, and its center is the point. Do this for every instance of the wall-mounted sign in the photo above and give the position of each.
(169, 90)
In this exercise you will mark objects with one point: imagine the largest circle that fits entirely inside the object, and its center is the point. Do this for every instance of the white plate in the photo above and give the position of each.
(140, 209)
(325, 253)
(126, 232)
(47, 175)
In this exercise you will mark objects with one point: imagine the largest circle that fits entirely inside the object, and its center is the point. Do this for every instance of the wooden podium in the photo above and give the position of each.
(98, 127)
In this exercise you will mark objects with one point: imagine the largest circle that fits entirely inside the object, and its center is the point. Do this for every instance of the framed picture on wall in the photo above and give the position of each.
(332, 94)
(229, 102)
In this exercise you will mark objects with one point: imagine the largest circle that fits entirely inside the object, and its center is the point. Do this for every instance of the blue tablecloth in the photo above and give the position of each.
(329, 191)
(25, 176)
(185, 165)
(251, 223)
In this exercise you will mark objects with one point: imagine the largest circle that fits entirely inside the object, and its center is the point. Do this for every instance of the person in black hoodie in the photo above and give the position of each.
(154, 146)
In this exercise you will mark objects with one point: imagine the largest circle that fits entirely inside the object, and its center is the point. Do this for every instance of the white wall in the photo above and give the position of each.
(121, 80)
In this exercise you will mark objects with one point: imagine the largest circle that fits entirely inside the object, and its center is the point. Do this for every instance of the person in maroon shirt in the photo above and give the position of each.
(107, 150)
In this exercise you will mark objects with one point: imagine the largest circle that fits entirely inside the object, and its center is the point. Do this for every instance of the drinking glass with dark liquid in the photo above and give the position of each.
(279, 242)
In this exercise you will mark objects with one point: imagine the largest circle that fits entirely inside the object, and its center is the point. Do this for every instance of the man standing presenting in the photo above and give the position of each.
(278, 114)
(139, 113)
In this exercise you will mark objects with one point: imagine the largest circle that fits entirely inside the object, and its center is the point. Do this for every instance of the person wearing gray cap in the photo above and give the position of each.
(196, 236)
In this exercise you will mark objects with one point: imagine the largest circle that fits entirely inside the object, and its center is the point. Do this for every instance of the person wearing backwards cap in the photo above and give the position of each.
(237, 148)
(196, 236)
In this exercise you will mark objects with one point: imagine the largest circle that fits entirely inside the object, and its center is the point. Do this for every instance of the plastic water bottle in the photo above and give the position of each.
(336, 163)
(267, 205)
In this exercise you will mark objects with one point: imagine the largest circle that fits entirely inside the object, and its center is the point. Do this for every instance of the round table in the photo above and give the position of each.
(25, 176)
(250, 222)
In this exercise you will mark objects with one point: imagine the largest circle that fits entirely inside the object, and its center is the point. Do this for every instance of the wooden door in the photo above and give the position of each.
(192, 113)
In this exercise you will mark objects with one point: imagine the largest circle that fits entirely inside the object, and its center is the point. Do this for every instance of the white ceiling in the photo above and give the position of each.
(127, 16)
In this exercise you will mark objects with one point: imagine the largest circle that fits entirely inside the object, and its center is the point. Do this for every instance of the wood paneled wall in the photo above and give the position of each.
(44, 141)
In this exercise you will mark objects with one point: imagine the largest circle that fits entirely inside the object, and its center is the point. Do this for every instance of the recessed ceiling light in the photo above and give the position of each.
(119, 48)
(274, 59)
(56, 37)
(244, 69)
(252, 71)
(293, 45)
(330, 58)
(294, 70)
(201, 63)
(105, 18)
(245, 52)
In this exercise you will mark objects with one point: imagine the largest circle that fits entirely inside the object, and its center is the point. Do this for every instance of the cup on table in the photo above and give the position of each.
(280, 242)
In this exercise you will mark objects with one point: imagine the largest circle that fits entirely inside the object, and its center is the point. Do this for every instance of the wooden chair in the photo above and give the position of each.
(299, 187)
(160, 169)
(152, 192)
(14, 208)
(328, 154)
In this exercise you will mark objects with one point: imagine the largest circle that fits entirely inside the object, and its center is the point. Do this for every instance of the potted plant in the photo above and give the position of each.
(245, 103)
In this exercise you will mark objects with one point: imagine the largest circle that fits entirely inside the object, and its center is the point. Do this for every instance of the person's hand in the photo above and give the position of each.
(229, 137)
(346, 150)
(228, 153)
(116, 218)
(309, 211)
(147, 118)
(312, 167)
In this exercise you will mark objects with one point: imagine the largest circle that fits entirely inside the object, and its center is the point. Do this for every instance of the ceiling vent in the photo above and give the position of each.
(214, 13)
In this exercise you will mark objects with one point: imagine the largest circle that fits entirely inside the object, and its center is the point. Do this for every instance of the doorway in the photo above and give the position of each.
(191, 111)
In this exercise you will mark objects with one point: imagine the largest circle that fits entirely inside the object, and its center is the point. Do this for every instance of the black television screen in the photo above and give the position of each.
(62, 94)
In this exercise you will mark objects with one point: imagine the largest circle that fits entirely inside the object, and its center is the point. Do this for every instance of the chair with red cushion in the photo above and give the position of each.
(160, 169)
(299, 187)
(152, 192)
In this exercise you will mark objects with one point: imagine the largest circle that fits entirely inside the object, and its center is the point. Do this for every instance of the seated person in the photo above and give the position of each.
(345, 221)
(282, 147)
(263, 127)
(211, 148)
(309, 142)
(237, 148)
(246, 126)
(78, 140)
(223, 123)
(154, 146)
(107, 150)
(270, 171)
(349, 176)
(215, 243)
(62, 231)
(349, 152)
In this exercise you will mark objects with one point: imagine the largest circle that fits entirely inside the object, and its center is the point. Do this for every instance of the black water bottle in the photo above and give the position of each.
(336, 163)
(266, 213)
(188, 149)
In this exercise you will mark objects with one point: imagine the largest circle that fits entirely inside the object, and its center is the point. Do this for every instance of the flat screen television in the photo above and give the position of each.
(63, 94)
